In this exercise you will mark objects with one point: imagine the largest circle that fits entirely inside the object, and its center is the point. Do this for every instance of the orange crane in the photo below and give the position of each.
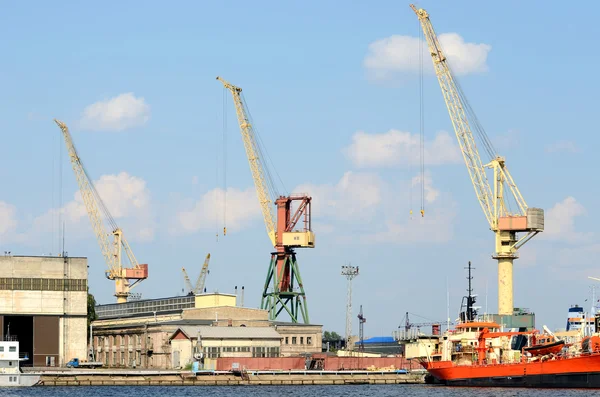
(125, 278)
(291, 229)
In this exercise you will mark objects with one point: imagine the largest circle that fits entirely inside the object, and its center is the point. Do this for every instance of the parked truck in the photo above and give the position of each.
(75, 363)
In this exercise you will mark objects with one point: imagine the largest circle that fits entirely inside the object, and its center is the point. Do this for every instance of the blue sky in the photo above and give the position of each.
(334, 94)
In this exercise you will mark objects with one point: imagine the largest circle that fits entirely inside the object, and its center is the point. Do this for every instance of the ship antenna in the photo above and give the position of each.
(470, 315)
(447, 305)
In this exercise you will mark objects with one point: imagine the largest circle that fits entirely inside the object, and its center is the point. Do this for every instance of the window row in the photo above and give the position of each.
(43, 284)
(296, 338)
(215, 352)
(11, 349)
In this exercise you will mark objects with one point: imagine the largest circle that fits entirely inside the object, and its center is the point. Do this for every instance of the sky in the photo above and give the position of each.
(334, 94)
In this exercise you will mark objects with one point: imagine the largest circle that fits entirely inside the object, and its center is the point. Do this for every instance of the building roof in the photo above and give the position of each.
(228, 332)
(289, 323)
(378, 339)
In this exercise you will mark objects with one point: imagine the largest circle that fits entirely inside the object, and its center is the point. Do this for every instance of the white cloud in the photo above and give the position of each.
(399, 54)
(354, 196)
(240, 208)
(562, 147)
(116, 114)
(560, 221)
(431, 194)
(8, 218)
(361, 207)
(436, 226)
(395, 147)
(127, 199)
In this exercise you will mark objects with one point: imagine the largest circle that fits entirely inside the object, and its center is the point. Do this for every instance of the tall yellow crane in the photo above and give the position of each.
(198, 288)
(283, 288)
(125, 277)
(504, 206)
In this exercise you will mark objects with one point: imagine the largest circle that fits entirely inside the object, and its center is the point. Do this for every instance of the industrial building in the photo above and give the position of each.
(166, 333)
(43, 305)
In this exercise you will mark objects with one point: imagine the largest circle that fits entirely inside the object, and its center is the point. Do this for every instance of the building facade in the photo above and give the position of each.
(43, 305)
(164, 333)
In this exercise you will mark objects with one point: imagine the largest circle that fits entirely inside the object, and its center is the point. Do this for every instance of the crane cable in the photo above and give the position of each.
(421, 124)
(224, 143)
(264, 156)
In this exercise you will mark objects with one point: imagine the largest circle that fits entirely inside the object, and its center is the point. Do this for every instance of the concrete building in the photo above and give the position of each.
(297, 339)
(43, 304)
(216, 342)
(163, 333)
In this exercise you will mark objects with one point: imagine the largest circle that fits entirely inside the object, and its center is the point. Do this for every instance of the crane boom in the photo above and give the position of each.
(112, 251)
(256, 163)
(202, 277)
(503, 221)
(188, 283)
(454, 102)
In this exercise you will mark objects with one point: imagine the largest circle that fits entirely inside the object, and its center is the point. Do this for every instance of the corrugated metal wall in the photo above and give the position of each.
(46, 341)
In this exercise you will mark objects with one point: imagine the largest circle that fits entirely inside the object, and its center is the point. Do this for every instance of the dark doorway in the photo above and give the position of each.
(21, 329)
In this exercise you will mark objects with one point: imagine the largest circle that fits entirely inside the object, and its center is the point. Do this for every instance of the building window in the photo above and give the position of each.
(293, 340)
(287, 340)
(309, 340)
(10, 363)
(1, 349)
(302, 340)
(12, 349)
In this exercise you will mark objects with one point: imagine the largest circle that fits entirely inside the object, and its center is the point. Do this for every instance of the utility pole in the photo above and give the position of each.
(350, 272)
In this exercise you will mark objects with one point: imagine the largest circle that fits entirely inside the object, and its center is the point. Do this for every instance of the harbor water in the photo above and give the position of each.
(287, 391)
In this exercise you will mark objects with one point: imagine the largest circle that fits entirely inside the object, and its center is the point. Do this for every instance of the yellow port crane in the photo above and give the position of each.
(112, 251)
(198, 288)
(504, 207)
(283, 288)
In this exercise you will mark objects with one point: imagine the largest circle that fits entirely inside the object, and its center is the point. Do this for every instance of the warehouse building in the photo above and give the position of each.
(43, 305)
(164, 333)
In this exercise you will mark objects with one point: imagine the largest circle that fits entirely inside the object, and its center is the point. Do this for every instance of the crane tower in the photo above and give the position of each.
(290, 229)
(125, 277)
(504, 206)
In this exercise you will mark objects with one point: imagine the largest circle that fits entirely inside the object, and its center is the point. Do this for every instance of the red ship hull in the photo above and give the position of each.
(575, 372)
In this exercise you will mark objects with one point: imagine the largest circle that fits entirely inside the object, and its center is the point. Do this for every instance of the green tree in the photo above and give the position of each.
(331, 336)
(91, 310)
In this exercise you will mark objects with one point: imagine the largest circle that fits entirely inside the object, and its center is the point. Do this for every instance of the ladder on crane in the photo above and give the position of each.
(125, 278)
(283, 290)
(197, 288)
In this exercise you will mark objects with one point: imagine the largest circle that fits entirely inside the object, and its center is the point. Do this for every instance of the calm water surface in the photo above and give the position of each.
(287, 391)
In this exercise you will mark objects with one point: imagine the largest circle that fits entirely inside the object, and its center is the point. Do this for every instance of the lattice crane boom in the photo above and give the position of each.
(186, 278)
(256, 162)
(202, 277)
(503, 220)
(98, 214)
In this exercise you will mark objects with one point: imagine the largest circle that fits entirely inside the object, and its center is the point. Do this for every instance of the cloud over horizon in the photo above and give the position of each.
(118, 113)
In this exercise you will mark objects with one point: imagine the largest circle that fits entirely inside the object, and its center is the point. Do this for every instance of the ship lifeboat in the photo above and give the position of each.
(545, 345)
